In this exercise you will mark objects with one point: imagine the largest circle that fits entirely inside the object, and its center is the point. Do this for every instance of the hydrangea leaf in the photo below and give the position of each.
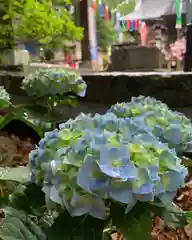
(83, 228)
(136, 224)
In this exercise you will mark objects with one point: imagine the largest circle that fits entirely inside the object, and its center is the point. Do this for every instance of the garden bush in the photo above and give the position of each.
(50, 88)
(97, 163)
(168, 126)
(98, 174)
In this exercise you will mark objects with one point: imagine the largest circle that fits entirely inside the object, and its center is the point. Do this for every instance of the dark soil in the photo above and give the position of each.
(14, 151)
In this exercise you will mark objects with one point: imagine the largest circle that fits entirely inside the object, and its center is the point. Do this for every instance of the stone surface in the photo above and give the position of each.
(134, 58)
(105, 89)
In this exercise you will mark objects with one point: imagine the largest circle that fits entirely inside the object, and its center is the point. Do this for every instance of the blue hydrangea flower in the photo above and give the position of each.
(91, 179)
(84, 203)
(92, 160)
(115, 162)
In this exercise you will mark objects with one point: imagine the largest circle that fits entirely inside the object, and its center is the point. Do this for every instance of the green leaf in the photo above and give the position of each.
(19, 174)
(189, 216)
(25, 200)
(38, 202)
(4, 103)
(5, 120)
(6, 17)
(32, 125)
(137, 224)
(69, 100)
(36, 110)
(3, 237)
(19, 225)
(173, 216)
(76, 228)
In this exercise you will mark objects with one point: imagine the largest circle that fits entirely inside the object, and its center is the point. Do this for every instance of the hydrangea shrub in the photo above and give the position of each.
(50, 88)
(94, 160)
(4, 95)
(54, 81)
(168, 126)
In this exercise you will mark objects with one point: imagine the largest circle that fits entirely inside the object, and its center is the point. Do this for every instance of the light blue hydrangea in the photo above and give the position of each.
(54, 81)
(168, 126)
(94, 159)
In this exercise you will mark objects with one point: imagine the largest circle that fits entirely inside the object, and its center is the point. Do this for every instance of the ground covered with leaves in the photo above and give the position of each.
(14, 151)
(184, 200)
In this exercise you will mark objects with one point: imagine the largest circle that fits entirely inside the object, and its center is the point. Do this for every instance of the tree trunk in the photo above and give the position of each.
(83, 6)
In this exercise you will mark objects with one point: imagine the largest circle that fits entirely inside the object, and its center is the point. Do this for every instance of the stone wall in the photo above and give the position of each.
(135, 58)
(105, 89)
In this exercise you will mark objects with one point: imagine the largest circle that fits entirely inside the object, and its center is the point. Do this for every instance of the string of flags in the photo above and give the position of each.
(115, 17)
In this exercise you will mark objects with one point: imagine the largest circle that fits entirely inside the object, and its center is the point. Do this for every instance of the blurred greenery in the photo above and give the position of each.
(31, 20)
(106, 33)
(124, 7)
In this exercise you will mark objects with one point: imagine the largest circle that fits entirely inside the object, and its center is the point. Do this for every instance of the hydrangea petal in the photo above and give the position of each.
(54, 195)
(144, 189)
(167, 197)
(87, 204)
(158, 188)
(173, 134)
(90, 178)
(172, 180)
(153, 172)
(115, 162)
(120, 191)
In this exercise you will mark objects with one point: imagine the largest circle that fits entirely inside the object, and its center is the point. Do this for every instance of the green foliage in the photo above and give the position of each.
(98, 173)
(84, 228)
(48, 88)
(67, 31)
(19, 174)
(106, 33)
(23, 216)
(122, 6)
(6, 39)
(38, 20)
(135, 225)
(11, 112)
(126, 8)
(113, 4)
(18, 225)
(100, 164)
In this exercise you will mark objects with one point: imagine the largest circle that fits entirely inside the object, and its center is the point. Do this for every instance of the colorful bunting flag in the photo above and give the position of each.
(123, 24)
(106, 13)
(143, 33)
(101, 12)
(131, 26)
(178, 13)
(94, 5)
(118, 25)
(136, 24)
(128, 24)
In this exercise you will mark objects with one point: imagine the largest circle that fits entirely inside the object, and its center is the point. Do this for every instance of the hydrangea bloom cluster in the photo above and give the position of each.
(52, 81)
(96, 158)
(4, 94)
(168, 126)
